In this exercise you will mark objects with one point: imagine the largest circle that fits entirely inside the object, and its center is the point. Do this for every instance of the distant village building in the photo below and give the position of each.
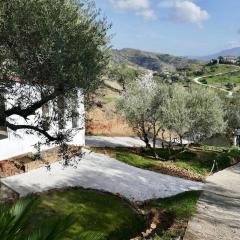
(230, 59)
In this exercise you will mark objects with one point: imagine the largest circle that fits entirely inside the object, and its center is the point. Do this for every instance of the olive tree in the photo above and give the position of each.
(232, 111)
(206, 114)
(123, 74)
(176, 111)
(141, 105)
(51, 48)
(195, 113)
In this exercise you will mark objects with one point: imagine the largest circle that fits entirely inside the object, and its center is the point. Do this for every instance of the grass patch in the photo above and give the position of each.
(110, 98)
(109, 216)
(195, 161)
(95, 212)
(182, 206)
(226, 81)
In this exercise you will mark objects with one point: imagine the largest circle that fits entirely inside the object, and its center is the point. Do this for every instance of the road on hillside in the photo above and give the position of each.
(196, 80)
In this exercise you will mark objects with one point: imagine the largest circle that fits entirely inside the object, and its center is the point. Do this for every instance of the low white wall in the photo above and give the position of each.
(15, 145)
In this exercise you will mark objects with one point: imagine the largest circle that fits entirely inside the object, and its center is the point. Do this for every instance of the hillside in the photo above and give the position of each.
(228, 52)
(149, 60)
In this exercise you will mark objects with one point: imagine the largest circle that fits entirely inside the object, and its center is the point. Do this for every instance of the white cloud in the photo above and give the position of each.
(148, 14)
(140, 7)
(131, 4)
(185, 11)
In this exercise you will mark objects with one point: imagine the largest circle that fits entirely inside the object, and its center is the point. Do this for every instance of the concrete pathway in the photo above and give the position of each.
(218, 215)
(97, 171)
(101, 141)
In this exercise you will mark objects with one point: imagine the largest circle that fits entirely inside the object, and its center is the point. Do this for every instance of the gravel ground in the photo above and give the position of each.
(97, 171)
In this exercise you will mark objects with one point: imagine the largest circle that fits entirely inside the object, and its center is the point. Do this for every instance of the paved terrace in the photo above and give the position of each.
(97, 171)
(218, 215)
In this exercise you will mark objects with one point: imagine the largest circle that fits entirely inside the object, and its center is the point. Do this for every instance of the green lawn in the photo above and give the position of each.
(96, 212)
(196, 160)
(109, 216)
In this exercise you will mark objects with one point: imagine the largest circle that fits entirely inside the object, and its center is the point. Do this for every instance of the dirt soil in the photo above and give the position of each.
(27, 162)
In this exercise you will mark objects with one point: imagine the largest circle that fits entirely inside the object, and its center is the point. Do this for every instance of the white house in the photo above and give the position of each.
(19, 142)
(230, 59)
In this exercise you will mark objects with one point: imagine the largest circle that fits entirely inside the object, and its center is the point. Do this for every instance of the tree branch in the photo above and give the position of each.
(39, 130)
(31, 109)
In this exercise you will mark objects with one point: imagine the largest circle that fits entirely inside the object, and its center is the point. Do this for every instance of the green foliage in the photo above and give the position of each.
(196, 113)
(206, 114)
(14, 223)
(176, 111)
(186, 155)
(141, 104)
(232, 110)
(123, 74)
(193, 112)
(96, 213)
(55, 46)
(57, 40)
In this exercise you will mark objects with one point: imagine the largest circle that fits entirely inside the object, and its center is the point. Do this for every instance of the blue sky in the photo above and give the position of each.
(180, 27)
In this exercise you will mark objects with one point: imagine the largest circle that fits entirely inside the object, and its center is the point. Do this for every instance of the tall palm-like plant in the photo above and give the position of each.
(14, 223)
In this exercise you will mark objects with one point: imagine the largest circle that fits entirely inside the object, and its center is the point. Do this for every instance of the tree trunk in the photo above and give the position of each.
(61, 111)
(169, 146)
(154, 136)
(2, 114)
(181, 142)
(146, 140)
(154, 142)
(163, 138)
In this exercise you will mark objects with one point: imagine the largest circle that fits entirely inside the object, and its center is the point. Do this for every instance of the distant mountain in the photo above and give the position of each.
(228, 52)
(149, 60)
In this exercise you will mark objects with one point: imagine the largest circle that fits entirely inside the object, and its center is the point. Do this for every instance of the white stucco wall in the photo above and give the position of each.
(19, 142)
